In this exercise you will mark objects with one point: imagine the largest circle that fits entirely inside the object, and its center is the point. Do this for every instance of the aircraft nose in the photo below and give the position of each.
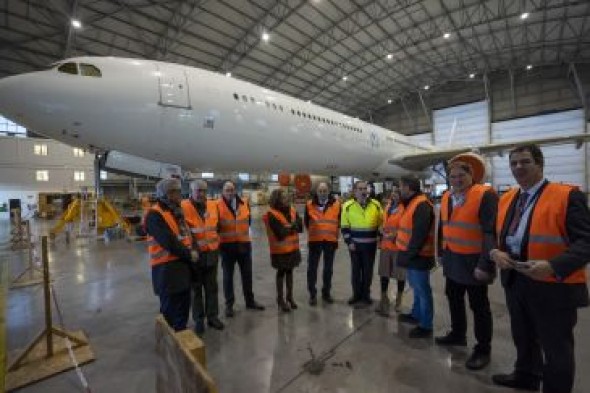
(12, 94)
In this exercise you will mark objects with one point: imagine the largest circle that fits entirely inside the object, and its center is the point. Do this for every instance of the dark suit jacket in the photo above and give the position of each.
(577, 255)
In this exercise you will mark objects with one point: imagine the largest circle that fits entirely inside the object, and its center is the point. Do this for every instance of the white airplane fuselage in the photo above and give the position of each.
(195, 118)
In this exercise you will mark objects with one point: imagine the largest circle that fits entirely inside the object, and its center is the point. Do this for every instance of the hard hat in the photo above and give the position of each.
(474, 161)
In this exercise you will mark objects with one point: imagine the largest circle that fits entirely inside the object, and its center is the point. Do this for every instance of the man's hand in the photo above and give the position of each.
(537, 270)
(502, 259)
(194, 256)
(481, 275)
(351, 247)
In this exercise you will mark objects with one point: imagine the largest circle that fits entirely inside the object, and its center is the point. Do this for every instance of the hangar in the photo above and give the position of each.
(332, 76)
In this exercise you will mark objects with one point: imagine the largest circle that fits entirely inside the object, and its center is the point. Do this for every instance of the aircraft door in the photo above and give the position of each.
(173, 86)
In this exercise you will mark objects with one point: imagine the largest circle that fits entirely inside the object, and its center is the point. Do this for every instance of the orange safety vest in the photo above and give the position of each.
(390, 226)
(289, 243)
(232, 228)
(547, 231)
(204, 232)
(323, 226)
(462, 231)
(159, 254)
(406, 225)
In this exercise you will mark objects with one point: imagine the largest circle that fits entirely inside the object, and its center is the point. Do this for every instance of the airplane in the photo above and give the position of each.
(201, 119)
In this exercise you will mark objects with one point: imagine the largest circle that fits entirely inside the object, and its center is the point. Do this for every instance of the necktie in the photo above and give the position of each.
(520, 207)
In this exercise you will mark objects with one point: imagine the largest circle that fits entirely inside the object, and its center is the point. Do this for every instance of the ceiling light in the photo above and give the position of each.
(76, 24)
(389, 101)
(529, 67)
(426, 87)
(524, 15)
(344, 78)
(228, 74)
(447, 36)
(265, 37)
(471, 76)
(390, 56)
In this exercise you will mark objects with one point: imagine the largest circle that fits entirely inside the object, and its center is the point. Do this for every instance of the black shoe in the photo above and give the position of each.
(199, 328)
(215, 323)
(451, 339)
(353, 300)
(229, 312)
(477, 360)
(254, 306)
(367, 301)
(328, 299)
(420, 332)
(407, 318)
(516, 381)
(313, 301)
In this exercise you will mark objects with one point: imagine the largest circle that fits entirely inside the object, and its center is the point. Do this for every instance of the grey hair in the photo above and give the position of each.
(166, 185)
(198, 184)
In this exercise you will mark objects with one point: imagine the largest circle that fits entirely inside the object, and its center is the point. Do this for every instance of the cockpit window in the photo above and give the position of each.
(68, 68)
(90, 70)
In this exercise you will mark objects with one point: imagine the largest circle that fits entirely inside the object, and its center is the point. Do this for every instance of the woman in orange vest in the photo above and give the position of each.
(467, 218)
(282, 227)
(388, 267)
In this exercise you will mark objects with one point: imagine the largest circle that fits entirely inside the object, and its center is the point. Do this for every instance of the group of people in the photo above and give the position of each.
(536, 234)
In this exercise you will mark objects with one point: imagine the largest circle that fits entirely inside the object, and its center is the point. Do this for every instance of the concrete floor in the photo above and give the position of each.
(105, 290)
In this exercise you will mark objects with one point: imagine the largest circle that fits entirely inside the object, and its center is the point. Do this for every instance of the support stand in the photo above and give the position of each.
(43, 357)
(31, 275)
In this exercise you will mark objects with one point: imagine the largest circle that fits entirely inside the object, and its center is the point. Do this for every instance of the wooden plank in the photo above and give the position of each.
(179, 369)
(38, 367)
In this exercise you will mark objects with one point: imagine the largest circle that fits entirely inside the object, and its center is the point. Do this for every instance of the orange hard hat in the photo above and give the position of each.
(474, 161)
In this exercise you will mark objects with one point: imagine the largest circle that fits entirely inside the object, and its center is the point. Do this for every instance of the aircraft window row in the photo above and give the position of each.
(300, 113)
(85, 69)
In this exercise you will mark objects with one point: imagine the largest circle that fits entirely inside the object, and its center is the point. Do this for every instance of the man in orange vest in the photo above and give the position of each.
(543, 231)
(415, 242)
(467, 219)
(202, 219)
(171, 253)
(322, 220)
(235, 247)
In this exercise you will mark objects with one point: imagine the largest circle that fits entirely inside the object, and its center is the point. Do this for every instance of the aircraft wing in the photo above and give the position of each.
(422, 160)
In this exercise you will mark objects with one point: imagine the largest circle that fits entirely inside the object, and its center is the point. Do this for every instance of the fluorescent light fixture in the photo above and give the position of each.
(76, 24)
(426, 87)
(446, 36)
(390, 56)
(265, 37)
(344, 78)
(472, 75)
(389, 101)
(529, 67)
(524, 15)
(207, 175)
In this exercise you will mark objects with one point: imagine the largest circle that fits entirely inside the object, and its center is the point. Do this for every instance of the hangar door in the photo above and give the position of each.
(173, 86)
(563, 163)
(471, 125)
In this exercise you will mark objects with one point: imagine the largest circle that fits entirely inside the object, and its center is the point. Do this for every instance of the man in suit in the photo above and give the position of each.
(543, 233)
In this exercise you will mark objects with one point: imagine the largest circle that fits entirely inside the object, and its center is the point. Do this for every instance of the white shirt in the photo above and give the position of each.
(514, 243)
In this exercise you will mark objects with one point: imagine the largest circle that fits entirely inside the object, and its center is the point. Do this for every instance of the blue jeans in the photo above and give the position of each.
(423, 308)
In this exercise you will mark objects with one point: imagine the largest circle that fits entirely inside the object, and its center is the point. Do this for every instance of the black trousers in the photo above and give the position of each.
(363, 262)
(205, 302)
(313, 259)
(542, 323)
(479, 304)
(228, 262)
